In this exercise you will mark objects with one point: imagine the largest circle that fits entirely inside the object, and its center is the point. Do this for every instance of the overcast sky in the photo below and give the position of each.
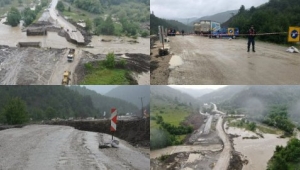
(197, 8)
(198, 86)
(103, 89)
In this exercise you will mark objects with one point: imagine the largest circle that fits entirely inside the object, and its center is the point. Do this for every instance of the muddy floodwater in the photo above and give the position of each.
(257, 151)
(11, 36)
(119, 45)
(61, 147)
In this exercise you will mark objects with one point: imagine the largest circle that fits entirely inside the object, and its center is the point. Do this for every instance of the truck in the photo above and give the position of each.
(205, 27)
(225, 32)
(71, 55)
(66, 78)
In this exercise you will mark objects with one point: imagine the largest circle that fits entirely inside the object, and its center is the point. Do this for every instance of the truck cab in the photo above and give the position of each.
(71, 55)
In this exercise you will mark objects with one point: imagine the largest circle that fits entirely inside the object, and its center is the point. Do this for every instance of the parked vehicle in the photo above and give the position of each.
(226, 32)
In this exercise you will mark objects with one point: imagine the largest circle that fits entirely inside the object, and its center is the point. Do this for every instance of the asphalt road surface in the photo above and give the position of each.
(223, 161)
(221, 61)
(61, 147)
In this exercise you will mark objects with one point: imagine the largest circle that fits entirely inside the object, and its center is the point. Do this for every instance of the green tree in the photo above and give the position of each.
(88, 24)
(15, 111)
(28, 16)
(13, 17)
(60, 6)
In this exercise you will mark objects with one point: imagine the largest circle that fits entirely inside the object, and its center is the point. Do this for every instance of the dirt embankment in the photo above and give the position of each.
(138, 63)
(159, 65)
(236, 162)
(136, 132)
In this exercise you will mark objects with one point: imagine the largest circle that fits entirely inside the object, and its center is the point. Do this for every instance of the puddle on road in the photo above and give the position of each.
(143, 78)
(175, 61)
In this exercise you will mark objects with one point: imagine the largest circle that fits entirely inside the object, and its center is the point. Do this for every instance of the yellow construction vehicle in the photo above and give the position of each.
(66, 78)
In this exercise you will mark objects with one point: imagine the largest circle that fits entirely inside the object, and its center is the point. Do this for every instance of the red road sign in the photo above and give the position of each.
(113, 118)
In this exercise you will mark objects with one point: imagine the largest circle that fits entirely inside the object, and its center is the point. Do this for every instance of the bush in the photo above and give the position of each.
(88, 66)
(122, 63)
(144, 34)
(110, 60)
(15, 112)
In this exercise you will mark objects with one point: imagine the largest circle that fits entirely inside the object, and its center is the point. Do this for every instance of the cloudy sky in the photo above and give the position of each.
(198, 86)
(197, 8)
(103, 89)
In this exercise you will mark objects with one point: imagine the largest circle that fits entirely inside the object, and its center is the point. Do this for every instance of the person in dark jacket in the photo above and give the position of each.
(251, 37)
(182, 32)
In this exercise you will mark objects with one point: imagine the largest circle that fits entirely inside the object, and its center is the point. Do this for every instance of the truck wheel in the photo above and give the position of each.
(233, 37)
(218, 36)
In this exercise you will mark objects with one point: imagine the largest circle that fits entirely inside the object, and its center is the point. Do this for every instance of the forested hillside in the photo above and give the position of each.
(165, 94)
(274, 16)
(257, 101)
(132, 94)
(103, 103)
(47, 102)
(155, 22)
(113, 17)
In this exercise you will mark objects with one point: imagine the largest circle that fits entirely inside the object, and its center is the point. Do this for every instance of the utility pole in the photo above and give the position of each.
(142, 105)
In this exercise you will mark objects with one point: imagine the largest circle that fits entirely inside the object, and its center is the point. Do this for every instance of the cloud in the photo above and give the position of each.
(197, 8)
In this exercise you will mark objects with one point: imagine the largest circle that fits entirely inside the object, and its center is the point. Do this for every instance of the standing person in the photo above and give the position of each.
(251, 37)
(182, 32)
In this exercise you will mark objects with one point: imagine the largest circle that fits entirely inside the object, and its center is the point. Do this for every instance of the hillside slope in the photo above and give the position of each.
(47, 102)
(132, 94)
(155, 22)
(219, 17)
(105, 103)
(274, 16)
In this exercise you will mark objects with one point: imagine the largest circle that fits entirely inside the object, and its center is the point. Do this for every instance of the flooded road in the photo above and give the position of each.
(257, 151)
(61, 147)
(184, 148)
(119, 45)
(220, 61)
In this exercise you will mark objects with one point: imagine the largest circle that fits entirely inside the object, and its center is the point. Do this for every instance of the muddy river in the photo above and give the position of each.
(257, 151)
(12, 35)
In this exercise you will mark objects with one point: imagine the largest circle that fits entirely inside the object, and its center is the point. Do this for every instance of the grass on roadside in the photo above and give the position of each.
(106, 72)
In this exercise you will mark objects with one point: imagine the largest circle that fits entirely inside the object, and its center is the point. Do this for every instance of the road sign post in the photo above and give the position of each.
(113, 121)
(293, 35)
(161, 35)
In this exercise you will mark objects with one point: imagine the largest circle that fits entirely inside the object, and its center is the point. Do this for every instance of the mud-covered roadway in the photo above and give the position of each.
(36, 66)
(223, 61)
(62, 147)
